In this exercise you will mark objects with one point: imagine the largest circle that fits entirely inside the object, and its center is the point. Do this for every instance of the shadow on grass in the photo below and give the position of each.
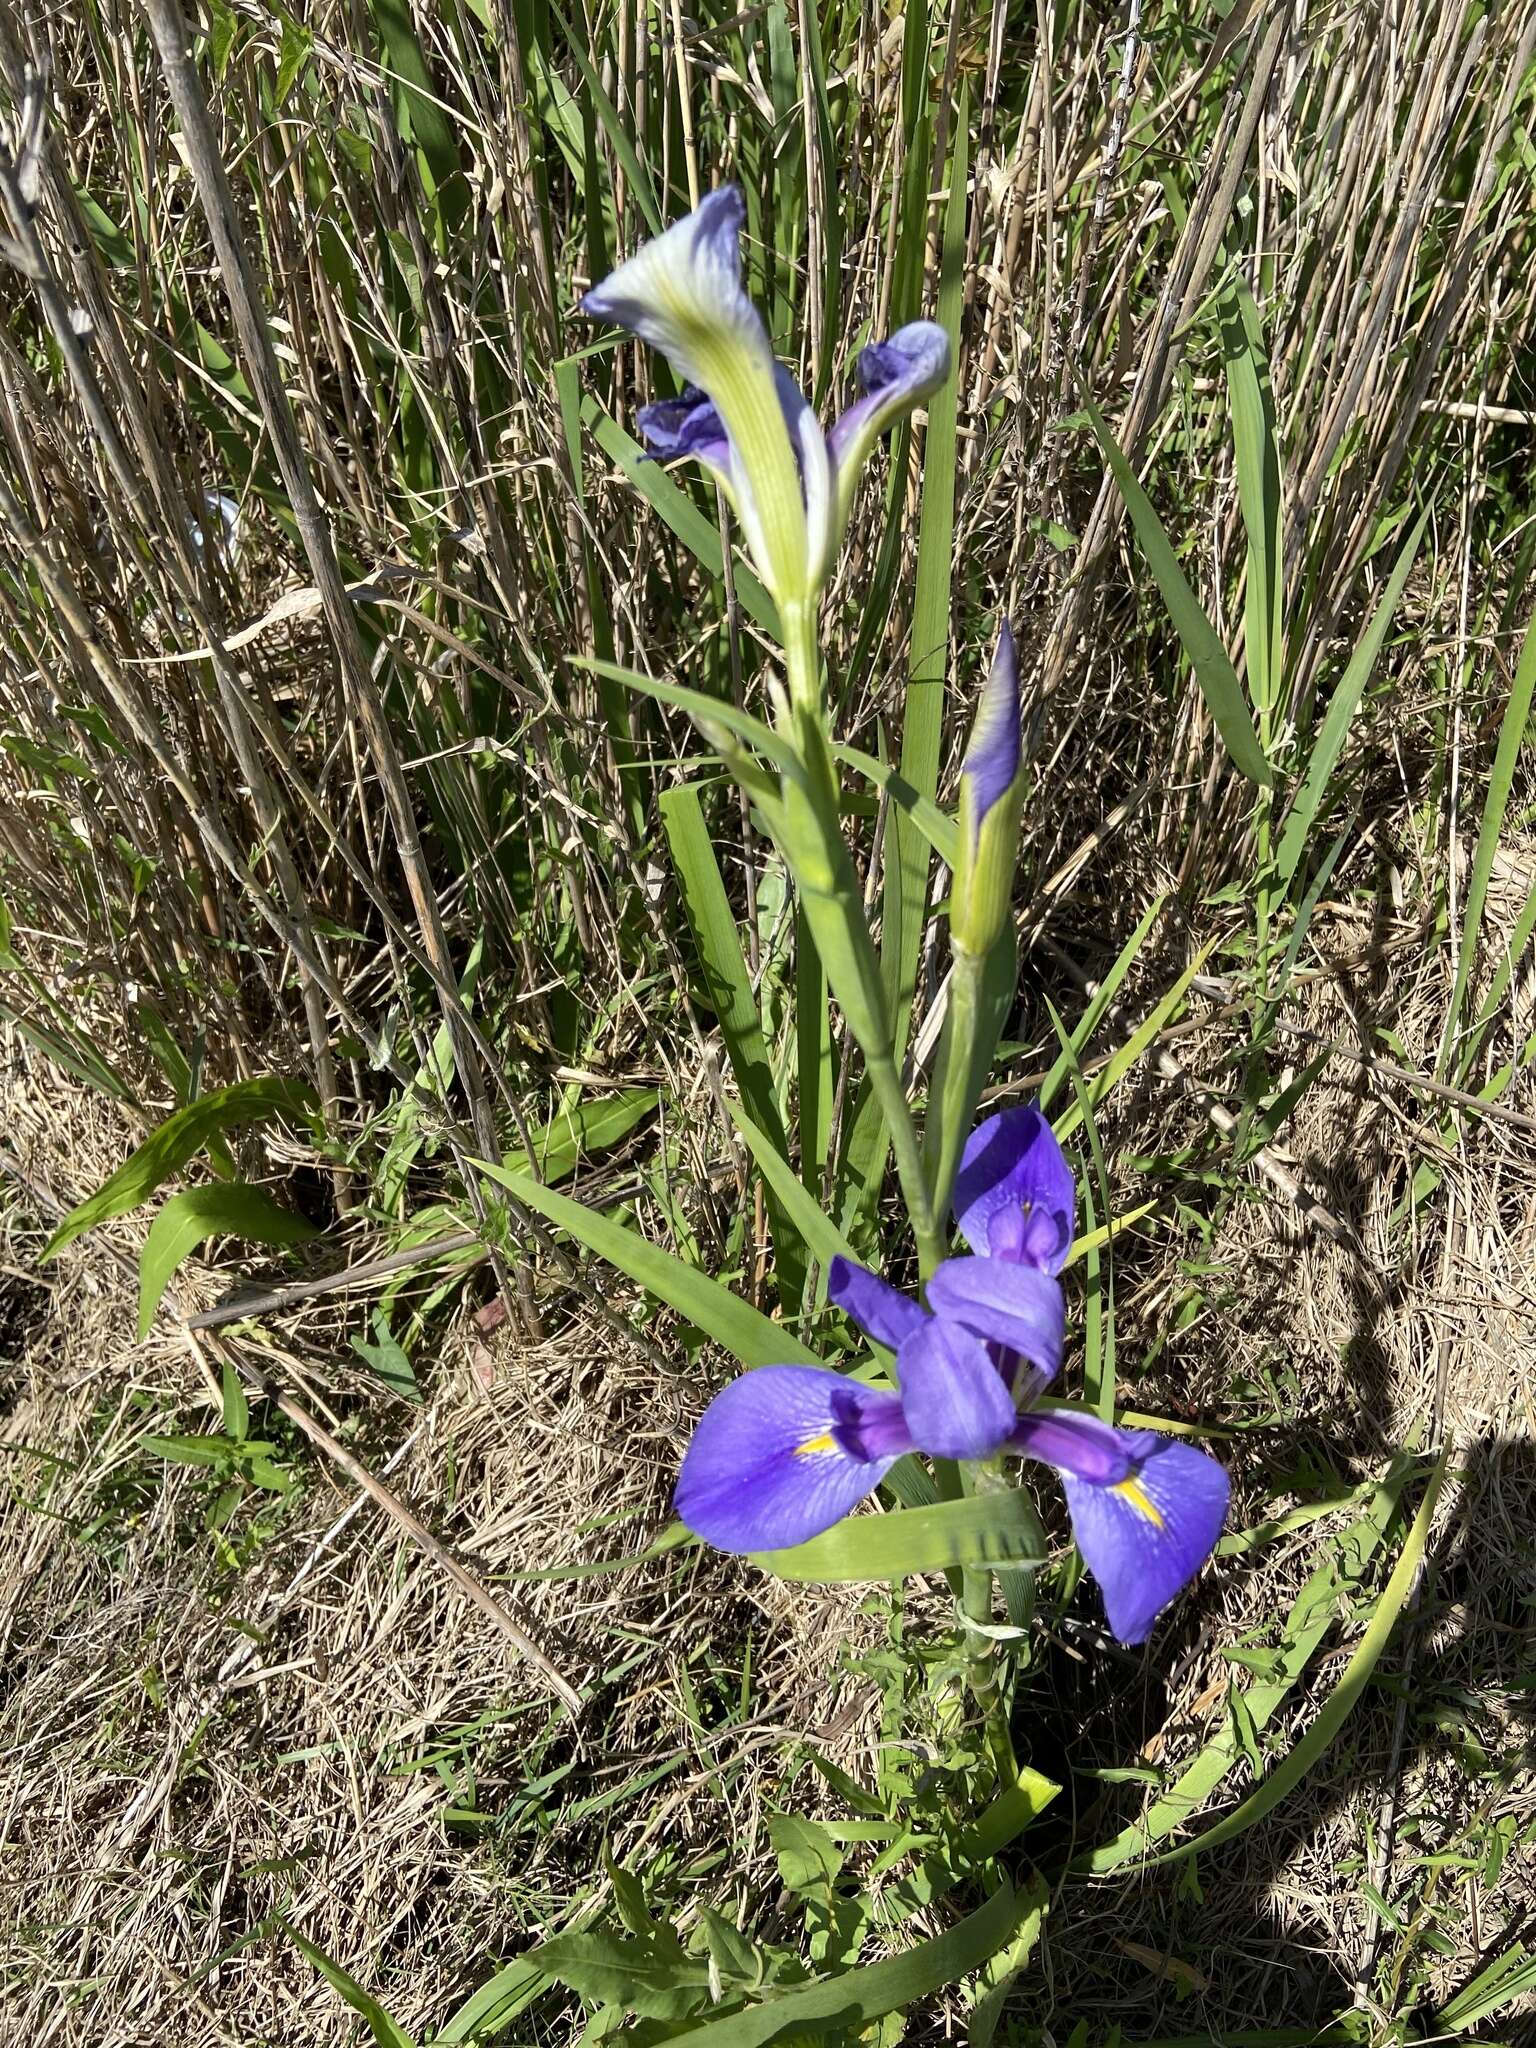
(1267, 1931)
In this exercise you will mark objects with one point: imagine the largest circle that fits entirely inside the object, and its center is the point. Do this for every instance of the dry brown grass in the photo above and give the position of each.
(155, 1810)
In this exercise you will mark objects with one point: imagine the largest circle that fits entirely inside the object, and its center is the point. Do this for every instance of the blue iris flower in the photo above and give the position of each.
(787, 1450)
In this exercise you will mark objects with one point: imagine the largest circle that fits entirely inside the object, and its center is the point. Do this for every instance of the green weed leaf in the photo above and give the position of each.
(169, 1148)
(615, 1969)
(836, 2007)
(744, 1331)
(229, 1209)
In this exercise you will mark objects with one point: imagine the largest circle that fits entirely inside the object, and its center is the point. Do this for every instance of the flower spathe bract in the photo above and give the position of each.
(790, 484)
(991, 789)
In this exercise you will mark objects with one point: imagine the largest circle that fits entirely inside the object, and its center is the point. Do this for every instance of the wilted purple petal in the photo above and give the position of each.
(783, 1453)
(687, 425)
(992, 759)
(1015, 1197)
(880, 1310)
(1013, 1305)
(951, 1393)
(894, 375)
(1146, 1509)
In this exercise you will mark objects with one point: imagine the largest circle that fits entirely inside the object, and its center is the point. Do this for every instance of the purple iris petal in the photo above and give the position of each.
(783, 1453)
(894, 375)
(688, 425)
(1146, 1509)
(951, 1393)
(992, 759)
(1014, 1305)
(878, 1309)
(1015, 1197)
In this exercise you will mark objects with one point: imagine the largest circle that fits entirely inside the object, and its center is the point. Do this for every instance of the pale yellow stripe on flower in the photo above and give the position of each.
(816, 1444)
(1133, 1491)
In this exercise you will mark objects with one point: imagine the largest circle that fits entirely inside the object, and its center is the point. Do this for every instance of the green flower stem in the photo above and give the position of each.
(981, 1649)
(980, 993)
(834, 909)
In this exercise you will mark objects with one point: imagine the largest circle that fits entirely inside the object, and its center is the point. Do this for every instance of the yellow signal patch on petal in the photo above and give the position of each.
(1133, 1491)
(816, 1444)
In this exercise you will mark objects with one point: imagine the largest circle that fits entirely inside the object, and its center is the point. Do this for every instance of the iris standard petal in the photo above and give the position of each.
(783, 1453)
(894, 376)
(1146, 1510)
(1014, 1305)
(682, 290)
(952, 1394)
(1015, 1197)
(880, 1310)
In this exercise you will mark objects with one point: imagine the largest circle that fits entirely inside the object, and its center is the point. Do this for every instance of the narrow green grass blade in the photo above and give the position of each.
(1113, 1072)
(1098, 1003)
(1512, 736)
(1509, 1976)
(744, 1331)
(1315, 1743)
(418, 106)
(727, 982)
(990, 1528)
(614, 126)
(1329, 743)
(936, 826)
(493, 2007)
(1256, 453)
(1499, 980)
(697, 705)
(1213, 669)
(677, 510)
(904, 890)
(386, 2031)
(1099, 1308)
(904, 897)
(568, 390)
(815, 1227)
(813, 1057)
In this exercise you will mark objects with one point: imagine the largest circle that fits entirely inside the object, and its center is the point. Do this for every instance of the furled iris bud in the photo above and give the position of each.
(991, 793)
(741, 414)
(786, 1451)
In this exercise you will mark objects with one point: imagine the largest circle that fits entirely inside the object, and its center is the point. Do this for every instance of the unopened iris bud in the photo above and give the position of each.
(991, 794)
